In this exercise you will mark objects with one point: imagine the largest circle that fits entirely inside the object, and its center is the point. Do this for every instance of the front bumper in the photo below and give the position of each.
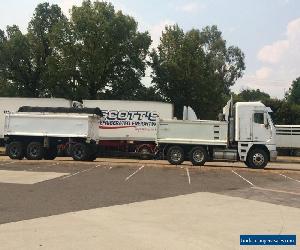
(273, 155)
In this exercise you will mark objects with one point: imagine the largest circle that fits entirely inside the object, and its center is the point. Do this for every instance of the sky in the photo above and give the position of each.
(267, 31)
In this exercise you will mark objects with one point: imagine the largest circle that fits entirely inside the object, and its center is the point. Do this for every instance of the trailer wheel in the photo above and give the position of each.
(198, 156)
(35, 151)
(15, 150)
(51, 153)
(80, 152)
(92, 157)
(175, 155)
(145, 152)
(257, 158)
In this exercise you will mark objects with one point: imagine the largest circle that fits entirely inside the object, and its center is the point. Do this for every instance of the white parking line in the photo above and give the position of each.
(188, 175)
(275, 190)
(139, 169)
(243, 178)
(289, 178)
(80, 172)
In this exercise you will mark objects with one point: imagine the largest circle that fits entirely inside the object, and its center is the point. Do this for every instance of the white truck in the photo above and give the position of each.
(288, 139)
(12, 104)
(35, 132)
(129, 126)
(245, 133)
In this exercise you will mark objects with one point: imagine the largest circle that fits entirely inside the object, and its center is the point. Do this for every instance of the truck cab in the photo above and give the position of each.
(254, 129)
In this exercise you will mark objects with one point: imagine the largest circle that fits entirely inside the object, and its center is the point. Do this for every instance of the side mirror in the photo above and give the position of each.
(266, 122)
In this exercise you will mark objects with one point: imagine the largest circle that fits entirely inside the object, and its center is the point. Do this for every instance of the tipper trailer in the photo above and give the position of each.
(35, 132)
(245, 133)
(12, 104)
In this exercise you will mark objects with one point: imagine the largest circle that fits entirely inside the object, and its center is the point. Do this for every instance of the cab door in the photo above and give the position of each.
(261, 127)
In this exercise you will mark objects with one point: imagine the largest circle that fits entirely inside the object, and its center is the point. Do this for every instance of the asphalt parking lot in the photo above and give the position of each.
(31, 192)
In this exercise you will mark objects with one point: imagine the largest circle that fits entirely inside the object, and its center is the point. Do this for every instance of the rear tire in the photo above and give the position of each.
(92, 157)
(175, 155)
(15, 150)
(257, 158)
(198, 156)
(145, 153)
(35, 151)
(51, 153)
(80, 152)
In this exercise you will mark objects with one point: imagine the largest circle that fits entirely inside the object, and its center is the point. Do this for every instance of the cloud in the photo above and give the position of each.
(263, 73)
(279, 63)
(191, 7)
(281, 50)
(274, 52)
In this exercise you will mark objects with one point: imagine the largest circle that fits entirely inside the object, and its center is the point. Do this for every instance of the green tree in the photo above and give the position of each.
(23, 58)
(40, 28)
(15, 62)
(293, 95)
(250, 95)
(99, 52)
(195, 68)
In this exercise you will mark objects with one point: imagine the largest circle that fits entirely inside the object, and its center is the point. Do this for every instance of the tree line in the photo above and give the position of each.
(285, 111)
(99, 53)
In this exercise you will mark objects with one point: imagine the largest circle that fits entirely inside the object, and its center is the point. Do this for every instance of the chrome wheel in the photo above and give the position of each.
(176, 155)
(258, 159)
(198, 156)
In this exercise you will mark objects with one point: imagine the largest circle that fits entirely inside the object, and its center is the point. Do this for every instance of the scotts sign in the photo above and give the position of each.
(116, 119)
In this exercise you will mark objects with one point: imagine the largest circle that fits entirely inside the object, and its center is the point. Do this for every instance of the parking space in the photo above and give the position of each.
(64, 186)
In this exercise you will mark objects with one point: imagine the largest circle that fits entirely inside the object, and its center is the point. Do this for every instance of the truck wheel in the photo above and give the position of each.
(35, 151)
(198, 156)
(51, 153)
(145, 153)
(257, 158)
(175, 155)
(92, 157)
(15, 150)
(80, 152)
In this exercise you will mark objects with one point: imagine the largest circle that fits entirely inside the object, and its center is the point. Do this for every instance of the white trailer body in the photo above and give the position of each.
(288, 138)
(245, 134)
(51, 125)
(12, 104)
(130, 120)
(36, 135)
(198, 132)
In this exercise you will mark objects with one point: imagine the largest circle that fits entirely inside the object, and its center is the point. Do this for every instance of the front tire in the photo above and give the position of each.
(35, 151)
(198, 156)
(15, 150)
(257, 158)
(175, 155)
